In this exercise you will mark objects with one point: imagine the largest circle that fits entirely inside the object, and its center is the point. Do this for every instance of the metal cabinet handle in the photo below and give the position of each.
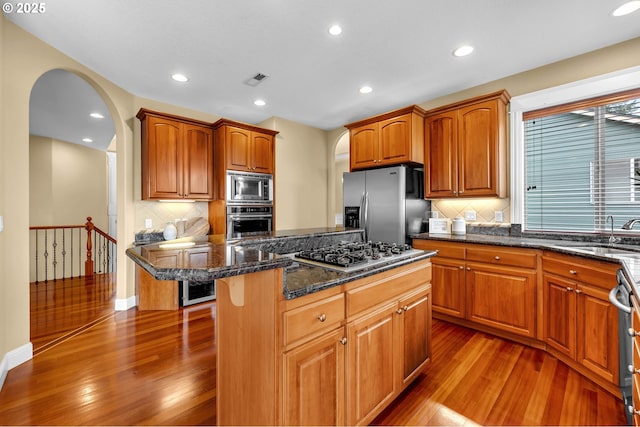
(569, 289)
(632, 370)
(461, 267)
(405, 307)
(633, 410)
(578, 291)
(573, 272)
(399, 311)
(468, 268)
(322, 317)
(497, 258)
(343, 341)
(632, 332)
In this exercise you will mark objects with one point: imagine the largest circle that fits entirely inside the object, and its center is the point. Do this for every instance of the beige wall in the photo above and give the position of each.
(23, 60)
(301, 175)
(63, 176)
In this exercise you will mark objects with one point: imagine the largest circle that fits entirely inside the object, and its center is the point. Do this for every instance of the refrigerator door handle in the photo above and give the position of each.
(366, 216)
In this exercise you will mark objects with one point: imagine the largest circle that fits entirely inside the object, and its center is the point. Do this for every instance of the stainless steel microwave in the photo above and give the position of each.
(246, 187)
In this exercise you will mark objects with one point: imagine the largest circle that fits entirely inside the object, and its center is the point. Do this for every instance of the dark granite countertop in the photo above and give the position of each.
(626, 255)
(213, 257)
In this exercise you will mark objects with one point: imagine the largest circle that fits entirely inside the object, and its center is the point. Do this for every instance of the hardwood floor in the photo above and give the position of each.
(64, 307)
(158, 368)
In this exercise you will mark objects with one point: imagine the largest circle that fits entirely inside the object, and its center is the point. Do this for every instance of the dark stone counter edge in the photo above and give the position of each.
(349, 277)
(208, 274)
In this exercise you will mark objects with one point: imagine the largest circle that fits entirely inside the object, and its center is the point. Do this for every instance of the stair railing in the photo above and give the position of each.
(65, 251)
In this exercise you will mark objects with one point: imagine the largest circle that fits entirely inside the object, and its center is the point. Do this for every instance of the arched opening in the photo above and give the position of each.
(72, 175)
(341, 165)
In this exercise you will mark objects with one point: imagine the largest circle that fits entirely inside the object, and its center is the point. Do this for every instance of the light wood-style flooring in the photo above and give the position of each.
(158, 368)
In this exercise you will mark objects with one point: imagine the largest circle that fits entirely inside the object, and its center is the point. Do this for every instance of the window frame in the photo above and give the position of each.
(545, 101)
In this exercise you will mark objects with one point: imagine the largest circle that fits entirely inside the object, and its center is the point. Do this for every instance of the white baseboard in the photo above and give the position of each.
(13, 359)
(126, 304)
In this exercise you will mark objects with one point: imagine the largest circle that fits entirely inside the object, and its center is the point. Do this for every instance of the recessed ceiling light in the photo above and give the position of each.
(627, 8)
(260, 102)
(97, 115)
(366, 89)
(87, 140)
(463, 50)
(180, 78)
(335, 30)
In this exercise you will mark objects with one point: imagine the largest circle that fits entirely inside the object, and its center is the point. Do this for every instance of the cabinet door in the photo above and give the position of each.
(262, 153)
(501, 297)
(164, 159)
(560, 314)
(371, 351)
(364, 147)
(416, 333)
(395, 140)
(441, 156)
(597, 337)
(238, 147)
(448, 287)
(198, 162)
(314, 382)
(478, 159)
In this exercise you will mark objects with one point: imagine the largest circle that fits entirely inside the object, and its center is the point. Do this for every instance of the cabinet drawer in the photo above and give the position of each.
(502, 256)
(601, 274)
(322, 315)
(384, 287)
(445, 249)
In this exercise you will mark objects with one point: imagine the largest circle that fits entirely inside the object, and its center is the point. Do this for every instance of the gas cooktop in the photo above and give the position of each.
(354, 256)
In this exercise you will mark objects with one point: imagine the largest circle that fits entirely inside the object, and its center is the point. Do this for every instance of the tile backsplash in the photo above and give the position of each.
(485, 209)
(161, 213)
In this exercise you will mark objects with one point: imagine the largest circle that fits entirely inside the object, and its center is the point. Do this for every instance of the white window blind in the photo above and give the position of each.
(582, 164)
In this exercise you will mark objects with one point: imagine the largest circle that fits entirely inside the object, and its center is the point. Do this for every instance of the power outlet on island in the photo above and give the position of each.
(470, 215)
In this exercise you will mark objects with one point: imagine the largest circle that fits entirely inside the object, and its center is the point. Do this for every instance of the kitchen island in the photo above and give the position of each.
(302, 344)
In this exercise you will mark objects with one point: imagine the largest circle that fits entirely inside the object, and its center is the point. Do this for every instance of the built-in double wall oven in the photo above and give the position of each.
(249, 203)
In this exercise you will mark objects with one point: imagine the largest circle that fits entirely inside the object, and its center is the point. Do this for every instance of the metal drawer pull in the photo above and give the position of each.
(570, 289)
(573, 272)
(405, 308)
(497, 258)
(632, 370)
(632, 332)
(343, 341)
(322, 317)
(399, 311)
(578, 291)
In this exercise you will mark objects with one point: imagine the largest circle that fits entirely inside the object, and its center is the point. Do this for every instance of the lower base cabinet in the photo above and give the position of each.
(349, 374)
(314, 384)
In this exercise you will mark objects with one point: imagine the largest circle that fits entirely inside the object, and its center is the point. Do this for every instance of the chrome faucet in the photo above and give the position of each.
(629, 224)
(613, 239)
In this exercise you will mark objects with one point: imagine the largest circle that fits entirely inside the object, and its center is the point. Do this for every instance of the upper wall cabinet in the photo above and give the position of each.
(244, 147)
(466, 148)
(177, 157)
(388, 139)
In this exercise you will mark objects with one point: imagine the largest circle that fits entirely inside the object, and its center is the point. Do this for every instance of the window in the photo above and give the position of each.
(582, 164)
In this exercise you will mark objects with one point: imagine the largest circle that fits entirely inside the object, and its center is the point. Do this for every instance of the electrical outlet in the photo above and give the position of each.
(148, 223)
(499, 217)
(434, 214)
(470, 215)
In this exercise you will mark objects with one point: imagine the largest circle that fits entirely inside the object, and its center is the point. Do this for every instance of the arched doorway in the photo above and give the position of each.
(72, 176)
(341, 165)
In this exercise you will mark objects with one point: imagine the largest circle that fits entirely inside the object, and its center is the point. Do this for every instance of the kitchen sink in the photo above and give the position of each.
(607, 251)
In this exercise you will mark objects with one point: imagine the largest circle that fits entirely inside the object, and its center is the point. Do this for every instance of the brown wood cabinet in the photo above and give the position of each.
(485, 285)
(345, 367)
(177, 157)
(244, 147)
(388, 139)
(466, 148)
(579, 319)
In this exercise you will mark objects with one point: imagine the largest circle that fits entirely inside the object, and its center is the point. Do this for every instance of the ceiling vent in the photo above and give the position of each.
(255, 80)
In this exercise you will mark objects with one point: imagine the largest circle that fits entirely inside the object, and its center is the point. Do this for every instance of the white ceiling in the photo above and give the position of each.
(401, 48)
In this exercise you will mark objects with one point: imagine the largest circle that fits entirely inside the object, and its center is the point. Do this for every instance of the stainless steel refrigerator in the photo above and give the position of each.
(387, 203)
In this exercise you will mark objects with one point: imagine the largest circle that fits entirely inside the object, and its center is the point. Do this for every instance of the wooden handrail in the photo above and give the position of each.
(89, 226)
